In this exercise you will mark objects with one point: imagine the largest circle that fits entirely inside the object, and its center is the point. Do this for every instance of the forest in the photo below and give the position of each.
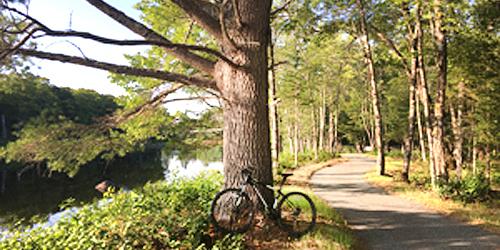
(294, 82)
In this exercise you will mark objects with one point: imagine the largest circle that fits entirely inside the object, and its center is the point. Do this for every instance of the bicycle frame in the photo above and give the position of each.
(253, 184)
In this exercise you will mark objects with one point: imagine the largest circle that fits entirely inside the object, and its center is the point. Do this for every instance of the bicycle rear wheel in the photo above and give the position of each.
(297, 214)
(232, 211)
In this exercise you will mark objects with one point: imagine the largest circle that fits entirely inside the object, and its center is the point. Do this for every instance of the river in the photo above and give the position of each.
(26, 199)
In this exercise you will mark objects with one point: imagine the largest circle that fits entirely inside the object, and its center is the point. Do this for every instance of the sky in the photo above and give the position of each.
(79, 15)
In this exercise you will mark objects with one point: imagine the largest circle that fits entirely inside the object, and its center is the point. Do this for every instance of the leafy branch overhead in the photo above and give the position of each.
(205, 14)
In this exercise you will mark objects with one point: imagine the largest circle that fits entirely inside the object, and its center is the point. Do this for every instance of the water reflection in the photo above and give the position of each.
(175, 167)
(170, 164)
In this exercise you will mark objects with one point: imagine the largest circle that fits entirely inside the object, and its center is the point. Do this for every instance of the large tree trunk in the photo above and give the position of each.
(425, 97)
(408, 141)
(439, 103)
(374, 90)
(245, 90)
(273, 110)
(456, 124)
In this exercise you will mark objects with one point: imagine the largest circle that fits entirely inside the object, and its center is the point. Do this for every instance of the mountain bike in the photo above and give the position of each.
(233, 211)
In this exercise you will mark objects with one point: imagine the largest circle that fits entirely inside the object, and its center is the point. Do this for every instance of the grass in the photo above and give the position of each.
(484, 214)
(331, 231)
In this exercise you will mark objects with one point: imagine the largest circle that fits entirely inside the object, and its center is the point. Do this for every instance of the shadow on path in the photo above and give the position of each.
(383, 221)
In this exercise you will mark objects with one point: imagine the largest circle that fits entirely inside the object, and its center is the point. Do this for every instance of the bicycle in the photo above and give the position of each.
(233, 211)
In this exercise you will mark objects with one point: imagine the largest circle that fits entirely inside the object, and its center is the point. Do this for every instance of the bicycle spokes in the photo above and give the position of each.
(297, 214)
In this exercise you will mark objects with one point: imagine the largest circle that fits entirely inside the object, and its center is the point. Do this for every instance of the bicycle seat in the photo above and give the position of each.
(286, 174)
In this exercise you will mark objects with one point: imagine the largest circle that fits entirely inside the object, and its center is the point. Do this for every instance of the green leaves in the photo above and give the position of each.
(158, 216)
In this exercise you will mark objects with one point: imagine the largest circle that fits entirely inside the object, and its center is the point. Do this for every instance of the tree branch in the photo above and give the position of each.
(392, 46)
(162, 44)
(183, 54)
(191, 98)
(121, 69)
(204, 14)
(222, 21)
(283, 7)
(7, 52)
(155, 101)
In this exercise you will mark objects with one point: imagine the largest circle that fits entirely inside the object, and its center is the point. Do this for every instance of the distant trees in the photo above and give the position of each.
(25, 97)
(39, 119)
(435, 64)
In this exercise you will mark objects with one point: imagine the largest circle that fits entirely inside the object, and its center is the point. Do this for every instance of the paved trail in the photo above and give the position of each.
(384, 221)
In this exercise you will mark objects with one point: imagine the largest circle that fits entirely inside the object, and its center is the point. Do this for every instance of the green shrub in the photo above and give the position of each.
(286, 161)
(306, 156)
(421, 180)
(470, 189)
(158, 216)
(325, 156)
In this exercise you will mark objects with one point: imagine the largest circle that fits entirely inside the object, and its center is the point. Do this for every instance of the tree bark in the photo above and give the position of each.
(421, 140)
(456, 125)
(425, 97)
(290, 137)
(439, 103)
(322, 119)
(475, 151)
(246, 139)
(331, 135)
(374, 90)
(273, 109)
(314, 139)
(367, 125)
(487, 170)
(408, 141)
(296, 134)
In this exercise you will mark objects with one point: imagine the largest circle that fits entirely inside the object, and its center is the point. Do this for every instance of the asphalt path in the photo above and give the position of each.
(383, 221)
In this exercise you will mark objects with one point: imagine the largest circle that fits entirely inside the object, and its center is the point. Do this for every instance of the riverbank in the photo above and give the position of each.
(141, 218)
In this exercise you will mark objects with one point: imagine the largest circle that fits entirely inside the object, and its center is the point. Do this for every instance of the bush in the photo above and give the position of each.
(159, 216)
(470, 189)
(325, 156)
(421, 180)
(286, 159)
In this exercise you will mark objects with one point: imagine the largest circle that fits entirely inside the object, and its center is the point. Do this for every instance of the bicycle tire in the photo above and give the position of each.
(297, 214)
(238, 211)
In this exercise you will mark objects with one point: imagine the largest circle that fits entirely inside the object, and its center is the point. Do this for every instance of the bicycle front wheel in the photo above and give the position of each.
(232, 211)
(297, 214)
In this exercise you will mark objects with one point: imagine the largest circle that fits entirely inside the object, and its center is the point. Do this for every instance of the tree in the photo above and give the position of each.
(439, 102)
(238, 71)
(379, 133)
